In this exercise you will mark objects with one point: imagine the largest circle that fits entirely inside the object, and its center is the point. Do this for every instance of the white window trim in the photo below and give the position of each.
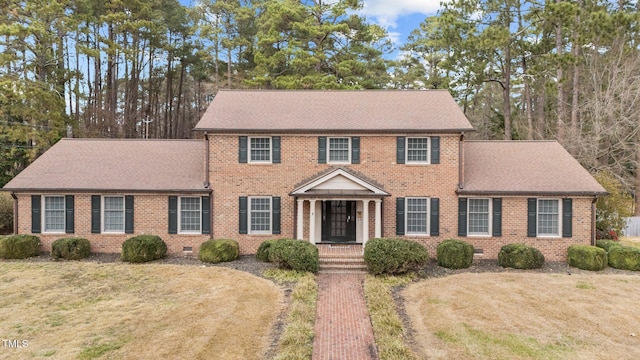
(406, 217)
(490, 219)
(348, 161)
(559, 233)
(265, 232)
(102, 212)
(250, 160)
(180, 231)
(44, 210)
(406, 151)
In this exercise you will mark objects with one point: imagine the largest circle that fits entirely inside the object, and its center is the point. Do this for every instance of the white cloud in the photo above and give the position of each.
(386, 12)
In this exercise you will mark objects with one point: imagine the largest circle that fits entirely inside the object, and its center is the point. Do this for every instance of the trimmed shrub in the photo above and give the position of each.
(295, 255)
(143, 248)
(19, 246)
(6, 213)
(455, 254)
(70, 248)
(220, 250)
(587, 257)
(520, 256)
(394, 256)
(263, 250)
(607, 244)
(624, 258)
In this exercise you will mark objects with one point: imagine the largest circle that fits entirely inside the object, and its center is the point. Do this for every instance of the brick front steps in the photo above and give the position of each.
(341, 259)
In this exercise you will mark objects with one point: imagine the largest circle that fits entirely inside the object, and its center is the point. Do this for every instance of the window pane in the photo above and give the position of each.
(113, 213)
(339, 149)
(54, 213)
(260, 214)
(548, 217)
(478, 216)
(190, 214)
(417, 215)
(260, 149)
(417, 150)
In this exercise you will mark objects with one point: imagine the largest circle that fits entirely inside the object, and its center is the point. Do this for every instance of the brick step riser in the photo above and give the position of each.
(345, 261)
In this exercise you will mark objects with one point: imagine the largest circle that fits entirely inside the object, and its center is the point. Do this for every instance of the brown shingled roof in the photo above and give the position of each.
(118, 165)
(317, 111)
(524, 167)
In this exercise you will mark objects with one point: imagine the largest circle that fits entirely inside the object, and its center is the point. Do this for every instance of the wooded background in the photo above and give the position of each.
(522, 70)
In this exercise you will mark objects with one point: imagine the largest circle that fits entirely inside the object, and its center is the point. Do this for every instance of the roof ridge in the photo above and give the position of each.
(513, 141)
(330, 90)
(131, 139)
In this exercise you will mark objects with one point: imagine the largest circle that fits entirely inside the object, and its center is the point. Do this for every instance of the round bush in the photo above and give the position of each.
(520, 256)
(263, 250)
(70, 248)
(19, 246)
(455, 254)
(143, 248)
(221, 250)
(295, 255)
(394, 256)
(587, 257)
(607, 244)
(624, 258)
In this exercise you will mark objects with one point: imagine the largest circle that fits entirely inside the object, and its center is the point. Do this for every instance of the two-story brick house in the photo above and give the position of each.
(320, 166)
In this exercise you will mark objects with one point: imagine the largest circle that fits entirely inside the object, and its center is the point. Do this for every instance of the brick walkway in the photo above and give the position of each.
(343, 329)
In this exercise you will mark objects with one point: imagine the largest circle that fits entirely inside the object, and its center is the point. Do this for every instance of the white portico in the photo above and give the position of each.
(342, 207)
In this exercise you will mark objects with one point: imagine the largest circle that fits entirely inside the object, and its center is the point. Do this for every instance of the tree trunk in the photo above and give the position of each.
(560, 130)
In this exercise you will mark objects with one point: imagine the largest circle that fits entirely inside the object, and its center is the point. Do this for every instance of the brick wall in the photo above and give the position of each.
(150, 217)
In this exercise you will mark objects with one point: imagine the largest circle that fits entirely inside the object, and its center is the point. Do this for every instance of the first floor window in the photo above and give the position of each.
(339, 150)
(54, 209)
(190, 213)
(113, 213)
(417, 150)
(260, 215)
(548, 217)
(260, 149)
(478, 216)
(417, 212)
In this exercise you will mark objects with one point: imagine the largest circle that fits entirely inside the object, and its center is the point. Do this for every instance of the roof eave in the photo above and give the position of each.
(96, 190)
(531, 193)
(322, 131)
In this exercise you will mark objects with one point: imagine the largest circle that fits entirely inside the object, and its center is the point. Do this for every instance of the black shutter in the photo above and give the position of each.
(400, 150)
(128, 214)
(242, 149)
(206, 215)
(242, 214)
(497, 217)
(462, 217)
(173, 214)
(435, 150)
(435, 217)
(69, 220)
(275, 149)
(400, 216)
(275, 217)
(322, 149)
(36, 217)
(95, 214)
(567, 218)
(355, 150)
(532, 217)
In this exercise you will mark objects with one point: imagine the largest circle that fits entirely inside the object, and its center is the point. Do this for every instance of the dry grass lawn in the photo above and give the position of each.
(83, 310)
(526, 316)
(630, 241)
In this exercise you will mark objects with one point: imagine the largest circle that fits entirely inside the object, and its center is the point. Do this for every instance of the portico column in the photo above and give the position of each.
(312, 221)
(300, 219)
(365, 222)
(378, 220)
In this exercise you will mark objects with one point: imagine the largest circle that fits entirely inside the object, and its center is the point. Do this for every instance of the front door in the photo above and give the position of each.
(339, 221)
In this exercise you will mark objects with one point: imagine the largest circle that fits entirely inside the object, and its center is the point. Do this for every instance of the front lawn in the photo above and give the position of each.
(85, 310)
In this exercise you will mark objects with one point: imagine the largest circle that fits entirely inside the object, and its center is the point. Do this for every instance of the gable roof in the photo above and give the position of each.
(337, 110)
(524, 167)
(339, 181)
(116, 165)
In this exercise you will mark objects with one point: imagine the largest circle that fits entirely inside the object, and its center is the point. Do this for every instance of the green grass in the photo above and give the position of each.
(284, 276)
(387, 325)
(584, 285)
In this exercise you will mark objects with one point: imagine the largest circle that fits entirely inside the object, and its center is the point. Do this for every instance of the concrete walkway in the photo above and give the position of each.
(343, 328)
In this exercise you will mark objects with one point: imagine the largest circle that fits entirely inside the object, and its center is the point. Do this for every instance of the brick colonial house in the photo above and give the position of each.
(320, 166)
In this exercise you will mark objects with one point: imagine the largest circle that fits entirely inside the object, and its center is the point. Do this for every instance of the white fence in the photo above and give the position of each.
(633, 226)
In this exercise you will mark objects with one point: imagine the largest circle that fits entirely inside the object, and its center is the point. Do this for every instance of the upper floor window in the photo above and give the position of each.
(339, 150)
(418, 150)
(548, 217)
(113, 214)
(190, 214)
(478, 216)
(54, 209)
(260, 149)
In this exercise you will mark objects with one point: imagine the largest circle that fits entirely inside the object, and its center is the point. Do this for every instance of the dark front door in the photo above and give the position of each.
(339, 221)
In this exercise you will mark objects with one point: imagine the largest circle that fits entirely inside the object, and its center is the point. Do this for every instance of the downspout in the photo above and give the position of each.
(15, 213)
(207, 183)
(461, 162)
(593, 221)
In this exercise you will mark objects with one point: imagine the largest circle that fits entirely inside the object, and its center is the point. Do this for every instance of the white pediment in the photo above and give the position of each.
(339, 180)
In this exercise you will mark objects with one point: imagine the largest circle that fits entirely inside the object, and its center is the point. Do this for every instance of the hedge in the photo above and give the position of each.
(221, 250)
(624, 258)
(455, 254)
(394, 256)
(520, 256)
(19, 246)
(294, 255)
(587, 257)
